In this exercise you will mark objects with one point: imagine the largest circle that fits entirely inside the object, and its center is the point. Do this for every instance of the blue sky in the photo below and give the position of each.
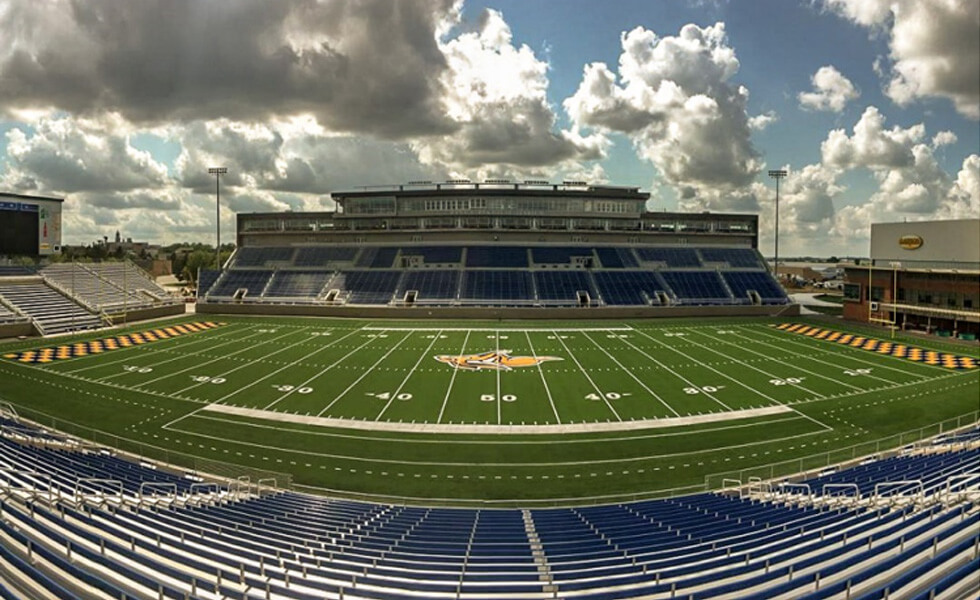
(120, 107)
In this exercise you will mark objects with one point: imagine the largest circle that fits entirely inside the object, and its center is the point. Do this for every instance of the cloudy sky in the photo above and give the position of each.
(873, 106)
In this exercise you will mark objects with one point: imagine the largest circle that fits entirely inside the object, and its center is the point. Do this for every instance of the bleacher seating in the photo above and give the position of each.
(264, 256)
(322, 256)
(672, 257)
(430, 284)
(563, 286)
(740, 282)
(525, 275)
(616, 258)
(48, 309)
(507, 287)
(8, 316)
(376, 257)
(697, 287)
(367, 287)
(559, 255)
(81, 540)
(297, 286)
(497, 257)
(743, 258)
(630, 288)
(108, 286)
(231, 281)
(435, 254)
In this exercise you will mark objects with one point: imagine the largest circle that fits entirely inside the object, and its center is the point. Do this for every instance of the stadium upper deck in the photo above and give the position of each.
(496, 210)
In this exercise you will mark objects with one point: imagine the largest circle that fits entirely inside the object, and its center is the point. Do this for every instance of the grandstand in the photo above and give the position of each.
(81, 521)
(66, 297)
(457, 245)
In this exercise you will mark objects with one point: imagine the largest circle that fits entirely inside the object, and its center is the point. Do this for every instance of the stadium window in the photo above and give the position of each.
(852, 291)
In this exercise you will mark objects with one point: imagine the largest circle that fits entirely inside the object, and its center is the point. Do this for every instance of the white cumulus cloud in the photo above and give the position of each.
(831, 91)
(934, 48)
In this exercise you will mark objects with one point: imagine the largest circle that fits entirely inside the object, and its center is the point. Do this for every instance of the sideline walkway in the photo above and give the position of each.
(516, 429)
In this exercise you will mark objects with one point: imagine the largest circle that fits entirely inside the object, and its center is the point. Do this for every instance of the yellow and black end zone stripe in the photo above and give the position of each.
(929, 357)
(46, 355)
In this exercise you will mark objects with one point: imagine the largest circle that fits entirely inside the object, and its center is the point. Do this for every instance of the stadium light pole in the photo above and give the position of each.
(217, 172)
(777, 174)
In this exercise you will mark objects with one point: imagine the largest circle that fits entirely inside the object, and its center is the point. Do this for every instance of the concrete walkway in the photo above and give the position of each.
(476, 428)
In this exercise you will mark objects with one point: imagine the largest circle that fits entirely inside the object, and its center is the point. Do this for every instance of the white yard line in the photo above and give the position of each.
(496, 338)
(452, 379)
(678, 375)
(838, 365)
(746, 349)
(199, 365)
(280, 369)
(580, 368)
(734, 380)
(547, 391)
(630, 373)
(858, 352)
(189, 338)
(490, 330)
(322, 371)
(407, 377)
(163, 362)
(366, 373)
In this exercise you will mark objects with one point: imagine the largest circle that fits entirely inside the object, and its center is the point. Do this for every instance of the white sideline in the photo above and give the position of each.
(476, 428)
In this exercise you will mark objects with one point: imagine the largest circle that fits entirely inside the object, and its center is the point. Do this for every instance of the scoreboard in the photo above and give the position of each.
(29, 225)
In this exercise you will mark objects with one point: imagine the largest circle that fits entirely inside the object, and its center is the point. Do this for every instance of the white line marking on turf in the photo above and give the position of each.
(496, 337)
(837, 365)
(746, 349)
(630, 373)
(410, 373)
(280, 369)
(190, 339)
(163, 362)
(579, 365)
(452, 380)
(214, 360)
(856, 353)
(322, 371)
(366, 373)
(547, 391)
(673, 372)
(493, 330)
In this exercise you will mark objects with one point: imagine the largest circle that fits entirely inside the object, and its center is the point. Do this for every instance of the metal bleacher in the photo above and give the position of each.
(49, 310)
(84, 522)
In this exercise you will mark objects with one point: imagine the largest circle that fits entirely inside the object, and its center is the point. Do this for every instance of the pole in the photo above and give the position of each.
(776, 266)
(217, 172)
(217, 220)
(777, 174)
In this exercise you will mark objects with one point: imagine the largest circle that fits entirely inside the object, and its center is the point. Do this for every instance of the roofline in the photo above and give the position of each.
(27, 197)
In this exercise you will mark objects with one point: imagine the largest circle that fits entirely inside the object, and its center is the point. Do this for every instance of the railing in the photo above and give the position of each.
(807, 466)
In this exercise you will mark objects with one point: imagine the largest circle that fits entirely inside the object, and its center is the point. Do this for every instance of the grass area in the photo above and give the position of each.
(835, 298)
(542, 411)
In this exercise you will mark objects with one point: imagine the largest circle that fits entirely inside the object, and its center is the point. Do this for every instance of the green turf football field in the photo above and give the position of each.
(494, 411)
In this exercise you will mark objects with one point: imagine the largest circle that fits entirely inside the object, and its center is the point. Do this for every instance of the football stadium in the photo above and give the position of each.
(477, 390)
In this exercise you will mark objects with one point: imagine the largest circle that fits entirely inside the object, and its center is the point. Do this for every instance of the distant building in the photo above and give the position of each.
(923, 276)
